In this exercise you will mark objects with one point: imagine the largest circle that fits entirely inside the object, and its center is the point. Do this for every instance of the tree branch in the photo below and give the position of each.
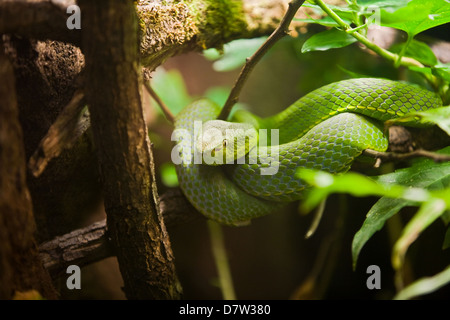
(394, 156)
(135, 224)
(164, 108)
(20, 267)
(64, 132)
(91, 244)
(80, 247)
(41, 20)
(166, 29)
(280, 32)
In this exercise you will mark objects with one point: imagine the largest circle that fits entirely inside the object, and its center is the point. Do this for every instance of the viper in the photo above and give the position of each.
(327, 129)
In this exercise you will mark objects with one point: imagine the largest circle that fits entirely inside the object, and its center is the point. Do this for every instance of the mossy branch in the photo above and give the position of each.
(166, 28)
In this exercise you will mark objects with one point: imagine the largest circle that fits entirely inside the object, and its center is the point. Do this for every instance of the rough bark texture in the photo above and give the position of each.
(68, 128)
(92, 243)
(167, 28)
(46, 75)
(21, 269)
(42, 20)
(79, 247)
(135, 224)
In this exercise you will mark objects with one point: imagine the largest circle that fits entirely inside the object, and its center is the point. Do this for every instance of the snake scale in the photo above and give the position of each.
(326, 129)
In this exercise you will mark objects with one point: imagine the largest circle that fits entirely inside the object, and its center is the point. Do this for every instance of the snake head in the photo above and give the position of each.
(222, 142)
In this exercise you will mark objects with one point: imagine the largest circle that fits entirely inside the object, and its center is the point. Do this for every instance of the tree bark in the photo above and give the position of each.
(46, 78)
(112, 86)
(92, 243)
(46, 81)
(167, 28)
(47, 73)
(21, 269)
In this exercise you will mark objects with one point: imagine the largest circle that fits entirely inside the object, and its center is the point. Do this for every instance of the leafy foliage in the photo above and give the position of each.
(440, 117)
(328, 39)
(424, 286)
(417, 16)
(412, 17)
(233, 54)
(425, 184)
(417, 50)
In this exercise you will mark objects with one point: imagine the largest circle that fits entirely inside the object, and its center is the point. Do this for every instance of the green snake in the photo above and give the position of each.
(326, 129)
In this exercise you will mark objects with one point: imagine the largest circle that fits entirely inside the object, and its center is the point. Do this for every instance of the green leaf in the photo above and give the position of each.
(424, 173)
(424, 70)
(353, 183)
(439, 116)
(326, 40)
(417, 50)
(170, 87)
(417, 16)
(423, 181)
(169, 175)
(389, 5)
(428, 213)
(446, 243)
(446, 217)
(346, 13)
(425, 285)
(442, 71)
(234, 53)
(425, 184)
(380, 212)
(325, 21)
(353, 74)
(218, 94)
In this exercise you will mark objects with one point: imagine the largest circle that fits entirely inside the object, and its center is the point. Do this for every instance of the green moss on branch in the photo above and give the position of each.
(173, 27)
(220, 21)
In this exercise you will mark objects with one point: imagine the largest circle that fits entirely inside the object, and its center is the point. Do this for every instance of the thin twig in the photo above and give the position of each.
(220, 257)
(405, 61)
(316, 220)
(393, 156)
(71, 124)
(280, 32)
(169, 116)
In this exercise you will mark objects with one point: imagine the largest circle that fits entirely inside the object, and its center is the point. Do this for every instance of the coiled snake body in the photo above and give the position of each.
(326, 129)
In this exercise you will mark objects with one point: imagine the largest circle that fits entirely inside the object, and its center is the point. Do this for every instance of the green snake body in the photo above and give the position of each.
(326, 129)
